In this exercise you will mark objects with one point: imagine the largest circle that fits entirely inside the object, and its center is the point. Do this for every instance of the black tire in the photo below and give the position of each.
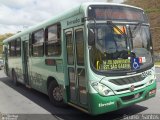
(14, 78)
(55, 94)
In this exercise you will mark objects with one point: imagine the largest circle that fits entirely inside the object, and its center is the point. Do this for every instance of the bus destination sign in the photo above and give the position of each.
(116, 13)
(114, 64)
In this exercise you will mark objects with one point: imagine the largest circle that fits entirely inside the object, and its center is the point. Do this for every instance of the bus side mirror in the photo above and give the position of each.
(91, 42)
(91, 37)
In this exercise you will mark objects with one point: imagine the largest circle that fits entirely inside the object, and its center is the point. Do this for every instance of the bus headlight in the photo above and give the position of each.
(151, 81)
(102, 89)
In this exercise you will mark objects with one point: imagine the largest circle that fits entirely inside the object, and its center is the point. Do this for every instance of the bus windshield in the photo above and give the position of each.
(112, 50)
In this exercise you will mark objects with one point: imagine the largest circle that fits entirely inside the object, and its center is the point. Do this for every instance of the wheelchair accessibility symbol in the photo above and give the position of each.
(135, 63)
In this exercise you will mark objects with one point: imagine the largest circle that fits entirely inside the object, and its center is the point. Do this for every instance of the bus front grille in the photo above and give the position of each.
(131, 97)
(125, 89)
(128, 80)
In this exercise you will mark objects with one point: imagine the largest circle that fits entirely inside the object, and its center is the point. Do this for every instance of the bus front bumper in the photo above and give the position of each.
(100, 104)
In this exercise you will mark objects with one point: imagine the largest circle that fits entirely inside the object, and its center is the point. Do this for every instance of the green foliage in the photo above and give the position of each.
(2, 37)
(157, 63)
(152, 10)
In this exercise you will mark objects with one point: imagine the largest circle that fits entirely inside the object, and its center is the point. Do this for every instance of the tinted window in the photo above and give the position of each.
(80, 46)
(37, 43)
(70, 49)
(12, 48)
(38, 36)
(18, 47)
(53, 41)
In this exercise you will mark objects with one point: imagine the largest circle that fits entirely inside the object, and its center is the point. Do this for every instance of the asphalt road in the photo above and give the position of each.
(27, 104)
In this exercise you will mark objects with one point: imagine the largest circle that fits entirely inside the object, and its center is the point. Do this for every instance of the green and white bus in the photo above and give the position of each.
(96, 57)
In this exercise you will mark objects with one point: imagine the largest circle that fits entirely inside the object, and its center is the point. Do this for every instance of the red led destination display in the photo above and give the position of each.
(118, 13)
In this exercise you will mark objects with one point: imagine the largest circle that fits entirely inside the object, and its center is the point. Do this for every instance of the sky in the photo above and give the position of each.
(18, 15)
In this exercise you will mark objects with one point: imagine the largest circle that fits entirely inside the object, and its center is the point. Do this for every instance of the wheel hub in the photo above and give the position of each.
(57, 93)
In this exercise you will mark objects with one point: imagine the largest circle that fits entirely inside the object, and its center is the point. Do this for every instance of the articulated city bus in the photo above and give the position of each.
(96, 57)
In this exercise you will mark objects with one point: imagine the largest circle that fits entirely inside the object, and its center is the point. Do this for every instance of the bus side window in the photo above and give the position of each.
(38, 43)
(12, 48)
(80, 46)
(70, 49)
(53, 41)
(18, 47)
(30, 44)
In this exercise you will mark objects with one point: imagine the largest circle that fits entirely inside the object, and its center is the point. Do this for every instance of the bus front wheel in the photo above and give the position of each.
(55, 94)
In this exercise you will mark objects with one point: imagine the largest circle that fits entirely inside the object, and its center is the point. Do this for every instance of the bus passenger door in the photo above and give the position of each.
(25, 62)
(75, 66)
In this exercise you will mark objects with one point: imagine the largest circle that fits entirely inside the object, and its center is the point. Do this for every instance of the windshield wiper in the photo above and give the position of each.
(136, 29)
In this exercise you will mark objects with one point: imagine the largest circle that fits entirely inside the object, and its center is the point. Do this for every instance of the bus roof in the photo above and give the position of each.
(67, 14)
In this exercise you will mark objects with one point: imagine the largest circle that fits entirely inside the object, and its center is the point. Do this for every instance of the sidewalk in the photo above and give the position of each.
(157, 66)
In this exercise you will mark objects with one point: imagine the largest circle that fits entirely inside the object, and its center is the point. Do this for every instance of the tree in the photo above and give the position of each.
(2, 37)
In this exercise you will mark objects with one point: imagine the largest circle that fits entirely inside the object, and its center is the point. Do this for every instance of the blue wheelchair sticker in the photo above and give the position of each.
(135, 63)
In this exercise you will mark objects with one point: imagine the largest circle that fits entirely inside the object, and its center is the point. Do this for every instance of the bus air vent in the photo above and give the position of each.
(125, 89)
(128, 80)
(131, 97)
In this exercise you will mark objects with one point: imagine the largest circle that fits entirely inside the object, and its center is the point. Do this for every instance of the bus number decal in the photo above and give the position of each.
(74, 21)
(146, 74)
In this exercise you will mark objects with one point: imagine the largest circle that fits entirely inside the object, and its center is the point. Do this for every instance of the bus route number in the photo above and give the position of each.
(146, 74)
